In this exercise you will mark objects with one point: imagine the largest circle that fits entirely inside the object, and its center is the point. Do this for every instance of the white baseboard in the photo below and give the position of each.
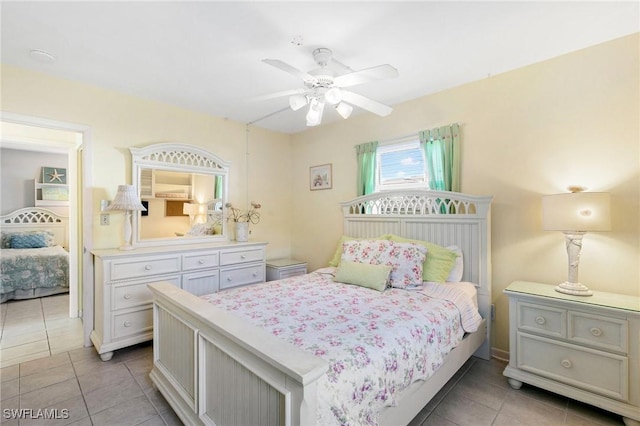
(500, 354)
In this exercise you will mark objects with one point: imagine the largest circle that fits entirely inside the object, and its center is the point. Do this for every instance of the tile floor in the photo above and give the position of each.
(37, 328)
(119, 392)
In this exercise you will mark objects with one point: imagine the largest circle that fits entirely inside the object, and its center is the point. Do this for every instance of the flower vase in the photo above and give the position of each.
(242, 231)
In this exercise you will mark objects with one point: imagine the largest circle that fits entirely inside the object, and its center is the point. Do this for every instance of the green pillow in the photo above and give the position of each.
(438, 263)
(363, 274)
(335, 260)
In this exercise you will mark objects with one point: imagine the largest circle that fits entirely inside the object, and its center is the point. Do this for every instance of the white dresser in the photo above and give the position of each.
(585, 348)
(122, 304)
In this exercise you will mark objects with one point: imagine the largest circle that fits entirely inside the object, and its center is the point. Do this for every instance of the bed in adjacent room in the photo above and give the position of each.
(368, 340)
(34, 257)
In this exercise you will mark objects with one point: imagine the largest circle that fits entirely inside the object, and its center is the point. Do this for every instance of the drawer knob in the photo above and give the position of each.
(255, 274)
(127, 296)
(242, 256)
(201, 261)
(566, 363)
(541, 320)
(147, 267)
(228, 278)
(596, 332)
(127, 324)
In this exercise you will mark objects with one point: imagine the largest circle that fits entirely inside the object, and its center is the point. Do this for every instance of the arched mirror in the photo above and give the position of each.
(184, 189)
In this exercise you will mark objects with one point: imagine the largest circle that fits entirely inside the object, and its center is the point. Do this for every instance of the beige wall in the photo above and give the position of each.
(533, 131)
(119, 121)
(529, 132)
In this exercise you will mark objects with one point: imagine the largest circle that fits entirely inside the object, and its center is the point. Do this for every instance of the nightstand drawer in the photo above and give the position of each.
(600, 331)
(200, 260)
(234, 277)
(595, 371)
(127, 324)
(542, 319)
(142, 267)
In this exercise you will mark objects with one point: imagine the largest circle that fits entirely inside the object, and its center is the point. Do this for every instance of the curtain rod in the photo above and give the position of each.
(409, 136)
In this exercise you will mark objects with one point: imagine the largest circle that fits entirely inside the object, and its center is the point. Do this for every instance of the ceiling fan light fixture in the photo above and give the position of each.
(314, 116)
(333, 96)
(297, 101)
(344, 110)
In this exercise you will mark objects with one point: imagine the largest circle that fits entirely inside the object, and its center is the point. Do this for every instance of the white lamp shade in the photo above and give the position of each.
(333, 96)
(190, 209)
(126, 200)
(314, 116)
(576, 211)
(344, 110)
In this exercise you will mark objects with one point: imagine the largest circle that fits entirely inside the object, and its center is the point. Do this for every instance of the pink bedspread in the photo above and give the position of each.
(375, 343)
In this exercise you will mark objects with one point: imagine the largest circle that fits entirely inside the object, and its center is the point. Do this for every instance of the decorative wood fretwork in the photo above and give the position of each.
(415, 203)
(32, 216)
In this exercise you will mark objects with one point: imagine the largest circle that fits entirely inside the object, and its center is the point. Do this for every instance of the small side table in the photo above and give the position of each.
(278, 269)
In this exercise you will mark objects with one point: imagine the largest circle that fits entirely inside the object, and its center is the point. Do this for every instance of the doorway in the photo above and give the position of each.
(21, 131)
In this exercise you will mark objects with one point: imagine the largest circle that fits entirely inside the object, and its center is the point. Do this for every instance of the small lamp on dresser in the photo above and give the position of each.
(126, 201)
(574, 214)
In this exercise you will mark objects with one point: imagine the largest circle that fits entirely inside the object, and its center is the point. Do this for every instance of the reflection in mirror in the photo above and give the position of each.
(177, 201)
(184, 189)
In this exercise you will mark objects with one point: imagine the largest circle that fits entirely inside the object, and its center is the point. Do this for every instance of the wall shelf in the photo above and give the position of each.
(50, 194)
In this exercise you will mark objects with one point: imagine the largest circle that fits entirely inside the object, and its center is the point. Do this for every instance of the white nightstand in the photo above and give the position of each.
(278, 269)
(583, 347)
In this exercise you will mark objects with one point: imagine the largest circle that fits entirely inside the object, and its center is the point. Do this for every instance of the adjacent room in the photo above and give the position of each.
(352, 212)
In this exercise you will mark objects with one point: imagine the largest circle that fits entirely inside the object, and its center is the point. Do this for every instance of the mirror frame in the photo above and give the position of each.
(183, 158)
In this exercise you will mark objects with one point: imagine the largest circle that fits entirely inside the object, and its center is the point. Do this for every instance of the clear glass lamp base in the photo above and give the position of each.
(576, 289)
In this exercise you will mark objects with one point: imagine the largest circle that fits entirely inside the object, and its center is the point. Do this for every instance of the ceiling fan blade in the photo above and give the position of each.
(306, 77)
(278, 95)
(364, 76)
(366, 103)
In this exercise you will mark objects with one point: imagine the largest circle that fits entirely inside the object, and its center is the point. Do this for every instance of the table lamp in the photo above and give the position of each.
(574, 214)
(127, 201)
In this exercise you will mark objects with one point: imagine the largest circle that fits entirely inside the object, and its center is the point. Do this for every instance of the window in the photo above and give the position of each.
(401, 165)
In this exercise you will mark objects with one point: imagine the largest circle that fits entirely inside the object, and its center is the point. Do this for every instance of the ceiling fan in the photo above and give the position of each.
(322, 86)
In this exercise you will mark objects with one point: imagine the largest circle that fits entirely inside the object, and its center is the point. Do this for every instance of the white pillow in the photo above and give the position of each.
(405, 259)
(455, 275)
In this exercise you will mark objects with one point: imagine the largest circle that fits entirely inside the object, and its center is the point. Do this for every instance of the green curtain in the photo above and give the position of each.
(366, 154)
(442, 153)
(217, 192)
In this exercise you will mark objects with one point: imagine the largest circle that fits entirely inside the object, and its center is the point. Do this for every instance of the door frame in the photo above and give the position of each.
(79, 241)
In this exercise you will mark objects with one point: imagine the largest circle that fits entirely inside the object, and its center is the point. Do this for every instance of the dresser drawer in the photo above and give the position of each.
(136, 322)
(128, 295)
(200, 260)
(233, 277)
(599, 331)
(232, 257)
(595, 371)
(123, 269)
(542, 319)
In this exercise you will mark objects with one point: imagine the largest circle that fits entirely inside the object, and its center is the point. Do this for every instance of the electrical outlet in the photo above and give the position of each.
(104, 219)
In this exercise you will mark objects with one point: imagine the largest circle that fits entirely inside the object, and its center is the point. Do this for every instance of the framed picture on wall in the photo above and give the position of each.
(54, 175)
(320, 177)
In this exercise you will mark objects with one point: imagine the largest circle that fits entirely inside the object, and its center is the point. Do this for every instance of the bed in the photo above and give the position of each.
(34, 257)
(221, 359)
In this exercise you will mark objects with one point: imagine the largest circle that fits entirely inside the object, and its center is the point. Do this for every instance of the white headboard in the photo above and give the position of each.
(37, 219)
(444, 218)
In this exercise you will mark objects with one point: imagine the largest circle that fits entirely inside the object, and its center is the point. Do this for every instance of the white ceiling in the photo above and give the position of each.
(207, 56)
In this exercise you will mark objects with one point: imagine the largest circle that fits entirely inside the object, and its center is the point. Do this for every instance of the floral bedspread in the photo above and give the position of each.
(376, 343)
(26, 269)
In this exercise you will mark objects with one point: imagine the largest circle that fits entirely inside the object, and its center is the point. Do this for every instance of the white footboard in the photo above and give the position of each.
(214, 369)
